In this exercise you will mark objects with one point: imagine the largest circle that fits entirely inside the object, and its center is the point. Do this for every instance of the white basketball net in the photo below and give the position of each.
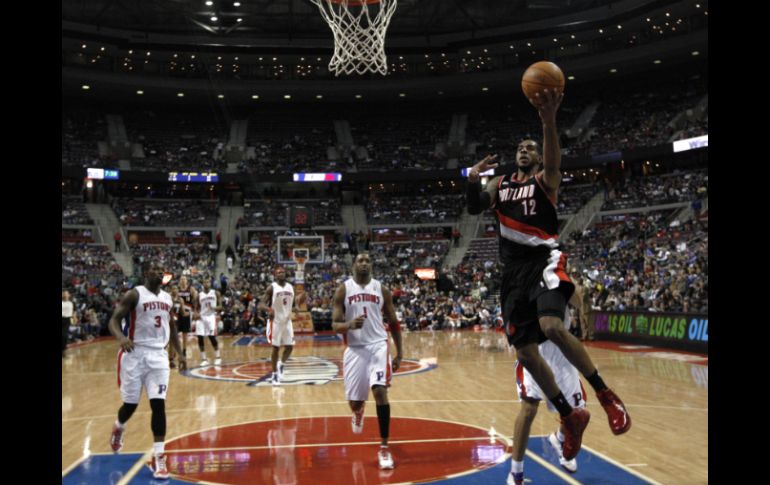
(359, 34)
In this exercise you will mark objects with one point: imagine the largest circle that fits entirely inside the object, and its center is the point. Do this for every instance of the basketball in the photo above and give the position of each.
(539, 76)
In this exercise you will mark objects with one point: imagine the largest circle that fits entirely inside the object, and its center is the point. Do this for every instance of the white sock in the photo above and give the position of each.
(157, 448)
(517, 466)
(560, 435)
(217, 353)
(119, 424)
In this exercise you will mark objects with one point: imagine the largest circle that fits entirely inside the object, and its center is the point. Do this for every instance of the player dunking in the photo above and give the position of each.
(535, 286)
(359, 305)
(209, 303)
(142, 360)
(279, 300)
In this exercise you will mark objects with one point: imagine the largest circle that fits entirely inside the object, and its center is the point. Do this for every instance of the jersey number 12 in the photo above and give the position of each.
(532, 203)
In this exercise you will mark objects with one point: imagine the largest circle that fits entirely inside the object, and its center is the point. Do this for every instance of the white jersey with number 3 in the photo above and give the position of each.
(368, 301)
(149, 321)
(283, 301)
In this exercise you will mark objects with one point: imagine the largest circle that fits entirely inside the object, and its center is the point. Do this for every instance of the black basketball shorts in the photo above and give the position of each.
(183, 324)
(534, 289)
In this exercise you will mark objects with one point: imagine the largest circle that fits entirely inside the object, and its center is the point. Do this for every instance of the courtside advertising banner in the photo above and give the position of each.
(685, 331)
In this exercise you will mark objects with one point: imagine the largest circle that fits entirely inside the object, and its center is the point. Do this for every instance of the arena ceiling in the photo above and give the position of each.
(300, 18)
(293, 29)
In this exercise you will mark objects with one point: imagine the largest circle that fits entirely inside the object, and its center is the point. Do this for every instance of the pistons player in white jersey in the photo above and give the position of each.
(143, 361)
(208, 305)
(568, 380)
(279, 302)
(359, 305)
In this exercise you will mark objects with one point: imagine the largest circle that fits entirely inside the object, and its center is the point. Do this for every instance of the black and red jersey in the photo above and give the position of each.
(527, 220)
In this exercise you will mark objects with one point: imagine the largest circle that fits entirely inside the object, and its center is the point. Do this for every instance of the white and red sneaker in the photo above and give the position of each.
(116, 439)
(357, 423)
(385, 458)
(159, 469)
(569, 465)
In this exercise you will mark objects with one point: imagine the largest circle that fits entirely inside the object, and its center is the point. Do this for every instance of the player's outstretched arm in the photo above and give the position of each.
(547, 107)
(478, 200)
(339, 324)
(128, 303)
(395, 326)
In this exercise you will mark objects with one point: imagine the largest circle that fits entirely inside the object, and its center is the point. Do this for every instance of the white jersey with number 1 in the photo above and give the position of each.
(368, 301)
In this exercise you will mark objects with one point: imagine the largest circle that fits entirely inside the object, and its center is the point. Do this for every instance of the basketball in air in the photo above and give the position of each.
(539, 76)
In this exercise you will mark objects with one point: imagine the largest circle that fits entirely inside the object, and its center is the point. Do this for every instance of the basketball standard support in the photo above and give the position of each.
(298, 251)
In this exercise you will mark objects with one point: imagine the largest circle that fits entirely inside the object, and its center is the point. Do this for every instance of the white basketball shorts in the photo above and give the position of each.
(279, 333)
(366, 366)
(144, 367)
(206, 326)
(566, 375)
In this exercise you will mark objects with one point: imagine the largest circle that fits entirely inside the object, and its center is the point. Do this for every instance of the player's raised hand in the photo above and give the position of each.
(548, 103)
(357, 322)
(485, 164)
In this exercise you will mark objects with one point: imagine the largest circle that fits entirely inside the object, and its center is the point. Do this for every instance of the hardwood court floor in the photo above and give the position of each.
(666, 393)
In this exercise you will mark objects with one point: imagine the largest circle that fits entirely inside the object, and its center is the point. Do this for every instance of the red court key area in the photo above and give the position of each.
(325, 450)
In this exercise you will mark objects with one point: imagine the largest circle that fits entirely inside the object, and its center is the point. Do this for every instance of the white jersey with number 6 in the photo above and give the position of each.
(368, 301)
(283, 301)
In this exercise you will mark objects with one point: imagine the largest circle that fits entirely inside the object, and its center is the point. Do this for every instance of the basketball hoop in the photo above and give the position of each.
(300, 263)
(300, 257)
(359, 34)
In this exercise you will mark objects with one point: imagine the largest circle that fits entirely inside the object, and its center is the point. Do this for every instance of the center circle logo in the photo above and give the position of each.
(307, 370)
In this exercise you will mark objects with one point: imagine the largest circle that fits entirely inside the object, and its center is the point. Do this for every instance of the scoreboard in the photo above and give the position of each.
(210, 177)
(300, 217)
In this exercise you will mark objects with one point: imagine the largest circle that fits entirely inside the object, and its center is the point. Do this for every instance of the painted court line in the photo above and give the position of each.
(623, 467)
(316, 445)
(135, 469)
(74, 465)
(409, 401)
(552, 468)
